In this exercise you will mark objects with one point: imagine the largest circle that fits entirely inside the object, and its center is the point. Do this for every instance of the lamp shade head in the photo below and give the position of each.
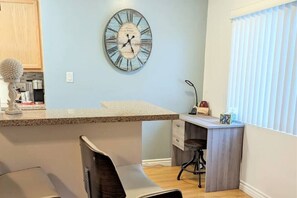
(11, 70)
(189, 83)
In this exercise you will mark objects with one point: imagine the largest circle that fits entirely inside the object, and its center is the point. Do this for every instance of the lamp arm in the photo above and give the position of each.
(196, 96)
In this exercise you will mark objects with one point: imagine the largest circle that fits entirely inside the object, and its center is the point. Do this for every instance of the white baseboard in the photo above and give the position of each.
(154, 162)
(252, 191)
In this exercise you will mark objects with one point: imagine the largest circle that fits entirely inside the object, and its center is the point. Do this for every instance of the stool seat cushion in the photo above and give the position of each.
(195, 143)
(28, 183)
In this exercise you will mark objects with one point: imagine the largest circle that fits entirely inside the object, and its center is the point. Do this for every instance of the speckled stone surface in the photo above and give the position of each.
(127, 111)
(25, 107)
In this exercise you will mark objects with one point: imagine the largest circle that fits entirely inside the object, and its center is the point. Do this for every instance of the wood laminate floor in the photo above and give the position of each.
(165, 177)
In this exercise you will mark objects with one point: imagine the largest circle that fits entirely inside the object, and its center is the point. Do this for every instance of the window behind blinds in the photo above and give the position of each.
(263, 70)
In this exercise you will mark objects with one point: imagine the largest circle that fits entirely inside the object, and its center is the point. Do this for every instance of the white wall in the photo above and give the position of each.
(269, 161)
(73, 41)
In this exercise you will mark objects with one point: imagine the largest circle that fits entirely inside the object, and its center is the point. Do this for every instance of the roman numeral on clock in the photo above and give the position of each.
(129, 63)
(146, 41)
(140, 62)
(147, 30)
(111, 40)
(112, 50)
(119, 60)
(130, 16)
(112, 30)
(145, 51)
(118, 19)
(139, 21)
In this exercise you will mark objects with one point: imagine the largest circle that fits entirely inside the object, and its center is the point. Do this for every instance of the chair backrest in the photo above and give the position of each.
(100, 176)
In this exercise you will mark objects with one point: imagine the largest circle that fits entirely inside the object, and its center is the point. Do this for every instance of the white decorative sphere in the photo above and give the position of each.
(11, 70)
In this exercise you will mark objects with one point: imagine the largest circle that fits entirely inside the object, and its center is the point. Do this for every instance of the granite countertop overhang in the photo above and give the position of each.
(124, 111)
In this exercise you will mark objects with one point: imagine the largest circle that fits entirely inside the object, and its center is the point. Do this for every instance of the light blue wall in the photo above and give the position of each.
(73, 41)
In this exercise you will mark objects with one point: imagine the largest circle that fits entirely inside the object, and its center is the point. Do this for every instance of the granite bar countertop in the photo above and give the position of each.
(26, 106)
(127, 111)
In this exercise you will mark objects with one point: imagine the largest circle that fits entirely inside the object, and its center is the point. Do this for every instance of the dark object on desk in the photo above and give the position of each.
(102, 179)
(194, 109)
(197, 146)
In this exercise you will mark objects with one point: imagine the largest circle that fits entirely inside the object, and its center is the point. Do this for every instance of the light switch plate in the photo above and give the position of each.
(69, 77)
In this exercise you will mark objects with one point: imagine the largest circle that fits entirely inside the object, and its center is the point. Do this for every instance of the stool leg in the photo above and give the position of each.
(185, 165)
(199, 174)
(202, 158)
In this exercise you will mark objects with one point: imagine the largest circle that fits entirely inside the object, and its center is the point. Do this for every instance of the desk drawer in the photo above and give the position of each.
(178, 133)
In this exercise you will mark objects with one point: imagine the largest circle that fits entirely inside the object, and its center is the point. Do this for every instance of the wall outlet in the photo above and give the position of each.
(69, 77)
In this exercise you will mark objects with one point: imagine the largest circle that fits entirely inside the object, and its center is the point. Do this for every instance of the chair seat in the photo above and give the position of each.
(195, 143)
(28, 183)
(135, 181)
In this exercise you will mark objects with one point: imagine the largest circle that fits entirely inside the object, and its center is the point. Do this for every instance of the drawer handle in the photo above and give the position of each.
(177, 125)
(177, 140)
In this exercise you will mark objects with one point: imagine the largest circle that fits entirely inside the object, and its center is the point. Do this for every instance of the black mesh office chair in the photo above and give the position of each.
(197, 146)
(104, 180)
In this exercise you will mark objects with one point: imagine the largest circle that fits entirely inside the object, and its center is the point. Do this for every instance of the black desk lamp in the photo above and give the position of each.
(194, 109)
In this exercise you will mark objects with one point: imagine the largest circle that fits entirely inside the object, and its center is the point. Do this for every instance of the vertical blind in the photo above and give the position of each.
(263, 68)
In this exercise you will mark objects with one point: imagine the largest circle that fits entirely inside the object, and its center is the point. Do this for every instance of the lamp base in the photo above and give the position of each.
(193, 111)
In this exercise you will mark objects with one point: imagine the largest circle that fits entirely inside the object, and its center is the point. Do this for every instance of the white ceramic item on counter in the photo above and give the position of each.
(11, 71)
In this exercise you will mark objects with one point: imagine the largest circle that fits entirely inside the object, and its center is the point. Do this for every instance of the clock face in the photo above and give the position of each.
(128, 40)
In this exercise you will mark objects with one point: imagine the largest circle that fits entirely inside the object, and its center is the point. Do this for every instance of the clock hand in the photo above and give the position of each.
(124, 45)
(132, 49)
(129, 41)
(131, 44)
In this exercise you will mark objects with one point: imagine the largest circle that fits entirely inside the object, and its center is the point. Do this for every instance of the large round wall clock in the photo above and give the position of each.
(128, 40)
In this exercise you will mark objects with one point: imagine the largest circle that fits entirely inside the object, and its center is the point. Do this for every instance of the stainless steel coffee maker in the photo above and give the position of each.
(38, 92)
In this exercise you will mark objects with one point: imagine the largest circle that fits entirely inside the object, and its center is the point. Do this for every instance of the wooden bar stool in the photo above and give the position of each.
(197, 146)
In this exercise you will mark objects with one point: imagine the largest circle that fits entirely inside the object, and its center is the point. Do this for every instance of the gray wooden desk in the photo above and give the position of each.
(224, 148)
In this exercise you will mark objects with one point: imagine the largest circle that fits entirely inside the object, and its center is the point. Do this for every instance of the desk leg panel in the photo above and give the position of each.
(224, 147)
(178, 156)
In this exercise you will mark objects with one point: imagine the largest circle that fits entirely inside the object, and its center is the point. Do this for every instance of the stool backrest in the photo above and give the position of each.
(100, 176)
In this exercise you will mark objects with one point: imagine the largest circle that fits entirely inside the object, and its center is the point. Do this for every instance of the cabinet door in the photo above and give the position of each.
(20, 32)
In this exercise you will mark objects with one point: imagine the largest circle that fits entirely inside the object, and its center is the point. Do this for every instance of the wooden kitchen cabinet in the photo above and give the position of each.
(20, 33)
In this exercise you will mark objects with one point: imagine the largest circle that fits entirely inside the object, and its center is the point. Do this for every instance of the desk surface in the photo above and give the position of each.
(208, 122)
